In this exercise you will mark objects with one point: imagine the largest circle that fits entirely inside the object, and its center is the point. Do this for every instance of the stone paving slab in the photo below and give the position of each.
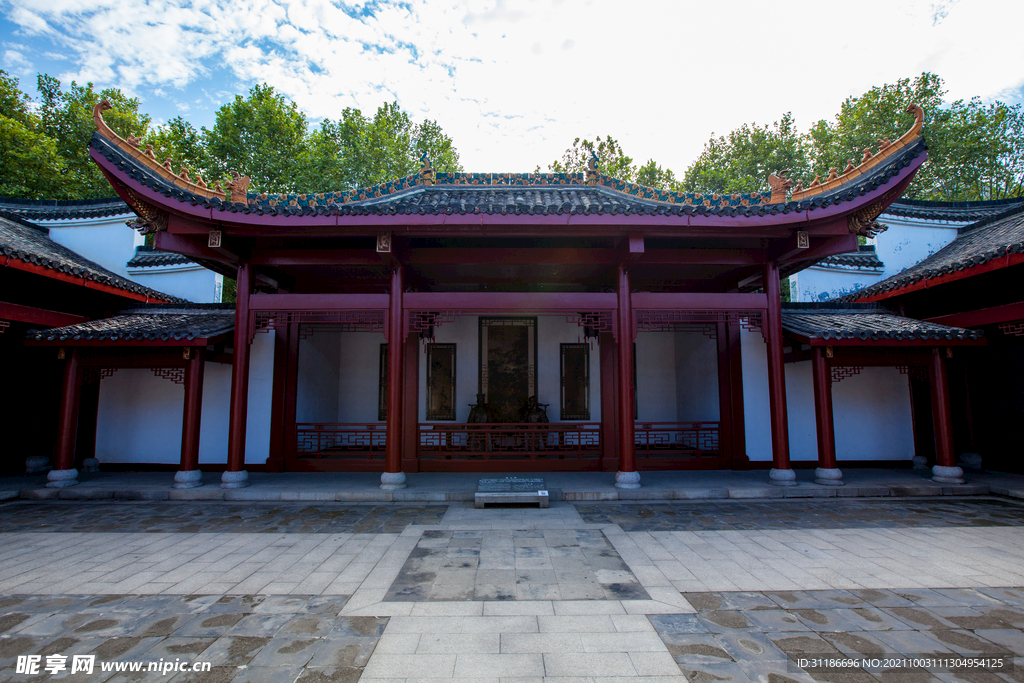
(429, 487)
(292, 591)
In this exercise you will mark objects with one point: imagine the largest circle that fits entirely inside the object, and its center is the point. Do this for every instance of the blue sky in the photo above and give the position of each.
(514, 82)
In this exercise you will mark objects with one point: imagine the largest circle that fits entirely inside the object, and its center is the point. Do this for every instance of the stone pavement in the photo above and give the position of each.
(704, 591)
(442, 487)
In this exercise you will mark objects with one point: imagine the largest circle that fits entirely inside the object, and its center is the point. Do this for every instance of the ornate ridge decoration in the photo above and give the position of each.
(863, 223)
(150, 219)
(886, 149)
(148, 159)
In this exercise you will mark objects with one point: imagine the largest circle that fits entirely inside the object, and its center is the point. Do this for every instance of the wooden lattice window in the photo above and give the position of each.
(575, 382)
(441, 382)
(382, 387)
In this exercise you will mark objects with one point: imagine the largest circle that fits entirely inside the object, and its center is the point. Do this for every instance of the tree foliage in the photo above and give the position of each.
(65, 116)
(742, 160)
(263, 135)
(359, 151)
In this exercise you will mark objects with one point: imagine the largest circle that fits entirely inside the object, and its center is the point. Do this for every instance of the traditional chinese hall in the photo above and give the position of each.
(503, 322)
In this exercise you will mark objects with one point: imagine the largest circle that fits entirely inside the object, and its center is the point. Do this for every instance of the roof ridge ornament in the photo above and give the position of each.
(426, 170)
(147, 158)
(886, 149)
(593, 168)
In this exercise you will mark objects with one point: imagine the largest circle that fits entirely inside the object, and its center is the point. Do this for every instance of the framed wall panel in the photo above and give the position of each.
(575, 370)
(508, 364)
(441, 381)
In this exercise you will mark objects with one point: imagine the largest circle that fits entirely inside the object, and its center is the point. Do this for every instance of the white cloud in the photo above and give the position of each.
(515, 82)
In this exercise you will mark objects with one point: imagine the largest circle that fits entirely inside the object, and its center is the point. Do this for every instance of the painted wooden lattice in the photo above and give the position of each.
(841, 372)
(666, 321)
(662, 439)
(484, 442)
(340, 320)
(176, 375)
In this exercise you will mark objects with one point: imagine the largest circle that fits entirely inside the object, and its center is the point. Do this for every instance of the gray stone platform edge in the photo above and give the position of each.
(269, 493)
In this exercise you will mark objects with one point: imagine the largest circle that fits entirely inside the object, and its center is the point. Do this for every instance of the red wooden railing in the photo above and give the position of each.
(463, 441)
(346, 439)
(668, 439)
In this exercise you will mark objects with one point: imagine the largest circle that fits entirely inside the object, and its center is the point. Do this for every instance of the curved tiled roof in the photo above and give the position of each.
(864, 257)
(147, 257)
(30, 243)
(506, 194)
(957, 212)
(978, 243)
(865, 322)
(54, 209)
(170, 322)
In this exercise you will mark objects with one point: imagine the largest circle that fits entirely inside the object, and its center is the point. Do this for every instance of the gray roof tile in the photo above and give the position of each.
(167, 322)
(864, 321)
(24, 241)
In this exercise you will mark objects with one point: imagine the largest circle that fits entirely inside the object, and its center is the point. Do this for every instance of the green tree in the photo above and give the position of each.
(262, 136)
(65, 116)
(612, 161)
(742, 160)
(14, 104)
(357, 151)
(179, 141)
(30, 165)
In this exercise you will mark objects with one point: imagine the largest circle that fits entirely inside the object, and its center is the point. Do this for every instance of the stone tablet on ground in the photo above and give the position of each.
(511, 490)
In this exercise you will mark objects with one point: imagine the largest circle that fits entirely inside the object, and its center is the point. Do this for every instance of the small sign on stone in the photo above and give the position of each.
(511, 490)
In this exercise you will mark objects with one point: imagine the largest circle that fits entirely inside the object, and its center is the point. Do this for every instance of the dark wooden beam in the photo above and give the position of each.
(982, 316)
(38, 316)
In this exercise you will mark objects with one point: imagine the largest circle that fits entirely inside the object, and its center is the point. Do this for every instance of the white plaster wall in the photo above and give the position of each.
(139, 417)
(106, 241)
(909, 241)
(193, 283)
(359, 370)
(756, 410)
(318, 377)
(656, 376)
(696, 360)
(551, 333)
(822, 284)
(872, 416)
(871, 410)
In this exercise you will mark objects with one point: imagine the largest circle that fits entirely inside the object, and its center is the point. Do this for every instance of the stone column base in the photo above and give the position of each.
(782, 477)
(58, 479)
(37, 464)
(392, 481)
(188, 479)
(828, 476)
(947, 475)
(920, 462)
(627, 480)
(234, 480)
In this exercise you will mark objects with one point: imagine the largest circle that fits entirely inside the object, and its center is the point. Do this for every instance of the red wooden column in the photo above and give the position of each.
(827, 473)
(393, 477)
(64, 473)
(609, 401)
(627, 477)
(781, 474)
(740, 461)
(725, 430)
(945, 470)
(235, 476)
(411, 406)
(189, 475)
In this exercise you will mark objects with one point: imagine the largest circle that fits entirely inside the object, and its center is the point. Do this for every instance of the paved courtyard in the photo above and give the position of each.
(588, 592)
